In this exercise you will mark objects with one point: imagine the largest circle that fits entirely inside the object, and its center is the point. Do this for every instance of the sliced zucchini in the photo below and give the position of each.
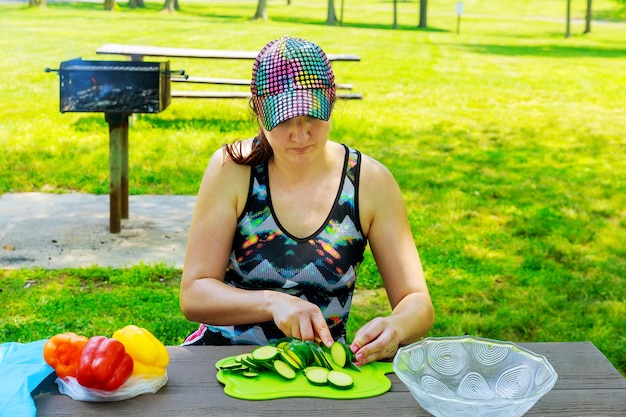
(301, 349)
(265, 353)
(316, 375)
(233, 365)
(329, 363)
(285, 357)
(238, 358)
(255, 365)
(284, 370)
(313, 368)
(284, 340)
(340, 380)
(295, 357)
(318, 354)
(352, 366)
(338, 354)
(250, 374)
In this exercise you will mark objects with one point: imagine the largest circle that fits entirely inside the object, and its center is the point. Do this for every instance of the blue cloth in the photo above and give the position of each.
(22, 368)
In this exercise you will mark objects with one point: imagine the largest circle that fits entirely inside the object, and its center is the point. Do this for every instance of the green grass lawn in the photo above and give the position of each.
(507, 140)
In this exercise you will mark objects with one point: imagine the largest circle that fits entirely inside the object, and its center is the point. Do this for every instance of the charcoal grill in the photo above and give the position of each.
(114, 86)
(118, 89)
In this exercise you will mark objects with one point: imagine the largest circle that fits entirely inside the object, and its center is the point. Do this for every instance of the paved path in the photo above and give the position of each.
(55, 231)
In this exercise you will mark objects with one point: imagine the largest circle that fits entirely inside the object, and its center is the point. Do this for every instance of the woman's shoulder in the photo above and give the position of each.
(225, 181)
(223, 173)
(372, 170)
(221, 160)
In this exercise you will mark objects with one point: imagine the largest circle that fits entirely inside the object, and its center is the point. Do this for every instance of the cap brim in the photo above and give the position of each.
(275, 109)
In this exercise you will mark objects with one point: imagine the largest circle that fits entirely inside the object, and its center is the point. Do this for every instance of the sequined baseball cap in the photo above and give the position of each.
(292, 77)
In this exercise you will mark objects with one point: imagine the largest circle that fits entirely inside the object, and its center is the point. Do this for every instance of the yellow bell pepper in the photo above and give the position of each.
(149, 355)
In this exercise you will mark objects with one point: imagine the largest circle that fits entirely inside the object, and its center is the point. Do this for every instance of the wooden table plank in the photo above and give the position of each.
(588, 386)
(579, 365)
(138, 51)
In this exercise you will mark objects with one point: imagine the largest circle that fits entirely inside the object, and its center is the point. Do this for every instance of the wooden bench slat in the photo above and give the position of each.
(232, 81)
(212, 80)
(349, 96)
(138, 51)
(210, 94)
(242, 94)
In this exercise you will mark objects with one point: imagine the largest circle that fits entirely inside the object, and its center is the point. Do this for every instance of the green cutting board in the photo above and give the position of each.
(370, 382)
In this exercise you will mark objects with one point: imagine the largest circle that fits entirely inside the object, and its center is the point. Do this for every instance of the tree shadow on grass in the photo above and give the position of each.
(96, 121)
(215, 124)
(548, 51)
(149, 8)
(358, 25)
(62, 5)
(235, 18)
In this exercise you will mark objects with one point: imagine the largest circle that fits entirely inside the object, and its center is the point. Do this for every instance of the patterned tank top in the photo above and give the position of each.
(321, 268)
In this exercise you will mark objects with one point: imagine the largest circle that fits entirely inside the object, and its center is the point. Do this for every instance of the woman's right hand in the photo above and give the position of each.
(300, 319)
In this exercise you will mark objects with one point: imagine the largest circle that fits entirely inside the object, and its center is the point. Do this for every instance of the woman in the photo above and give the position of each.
(282, 220)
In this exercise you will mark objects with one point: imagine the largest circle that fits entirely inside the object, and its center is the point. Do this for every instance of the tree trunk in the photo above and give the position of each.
(170, 6)
(134, 4)
(331, 18)
(341, 14)
(588, 18)
(261, 10)
(395, 14)
(568, 18)
(423, 8)
(109, 5)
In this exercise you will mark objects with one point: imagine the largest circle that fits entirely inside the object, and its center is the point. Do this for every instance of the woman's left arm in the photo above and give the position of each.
(385, 222)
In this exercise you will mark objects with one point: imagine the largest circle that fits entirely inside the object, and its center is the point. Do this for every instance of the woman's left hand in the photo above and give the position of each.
(378, 339)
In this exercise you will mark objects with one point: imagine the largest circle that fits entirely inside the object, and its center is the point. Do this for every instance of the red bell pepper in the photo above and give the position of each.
(62, 352)
(104, 364)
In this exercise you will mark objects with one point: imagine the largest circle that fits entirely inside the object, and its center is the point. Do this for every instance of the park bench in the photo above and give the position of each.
(138, 53)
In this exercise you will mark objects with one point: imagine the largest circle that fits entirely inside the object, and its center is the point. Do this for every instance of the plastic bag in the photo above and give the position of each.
(136, 385)
(23, 369)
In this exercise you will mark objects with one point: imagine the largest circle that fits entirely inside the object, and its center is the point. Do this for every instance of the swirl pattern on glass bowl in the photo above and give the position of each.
(447, 358)
(489, 354)
(467, 376)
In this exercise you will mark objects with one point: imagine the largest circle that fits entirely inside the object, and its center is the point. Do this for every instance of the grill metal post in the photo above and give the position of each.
(124, 166)
(119, 90)
(118, 169)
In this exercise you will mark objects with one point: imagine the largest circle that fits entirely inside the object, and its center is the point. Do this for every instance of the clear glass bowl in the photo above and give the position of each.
(474, 377)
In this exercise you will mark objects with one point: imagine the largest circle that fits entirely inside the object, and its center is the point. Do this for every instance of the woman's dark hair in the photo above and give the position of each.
(260, 153)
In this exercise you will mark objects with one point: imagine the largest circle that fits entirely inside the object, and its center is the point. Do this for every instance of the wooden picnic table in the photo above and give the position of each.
(588, 385)
(118, 123)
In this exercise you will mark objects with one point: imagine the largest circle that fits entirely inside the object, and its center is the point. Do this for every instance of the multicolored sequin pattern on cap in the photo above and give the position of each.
(292, 77)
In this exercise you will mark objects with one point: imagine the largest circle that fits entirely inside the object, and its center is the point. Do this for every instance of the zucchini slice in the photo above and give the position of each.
(233, 365)
(340, 380)
(284, 370)
(339, 354)
(316, 375)
(295, 358)
(319, 358)
(265, 353)
(300, 349)
(285, 357)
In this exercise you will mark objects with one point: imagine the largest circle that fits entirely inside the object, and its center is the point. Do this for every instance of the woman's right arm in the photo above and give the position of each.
(204, 297)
